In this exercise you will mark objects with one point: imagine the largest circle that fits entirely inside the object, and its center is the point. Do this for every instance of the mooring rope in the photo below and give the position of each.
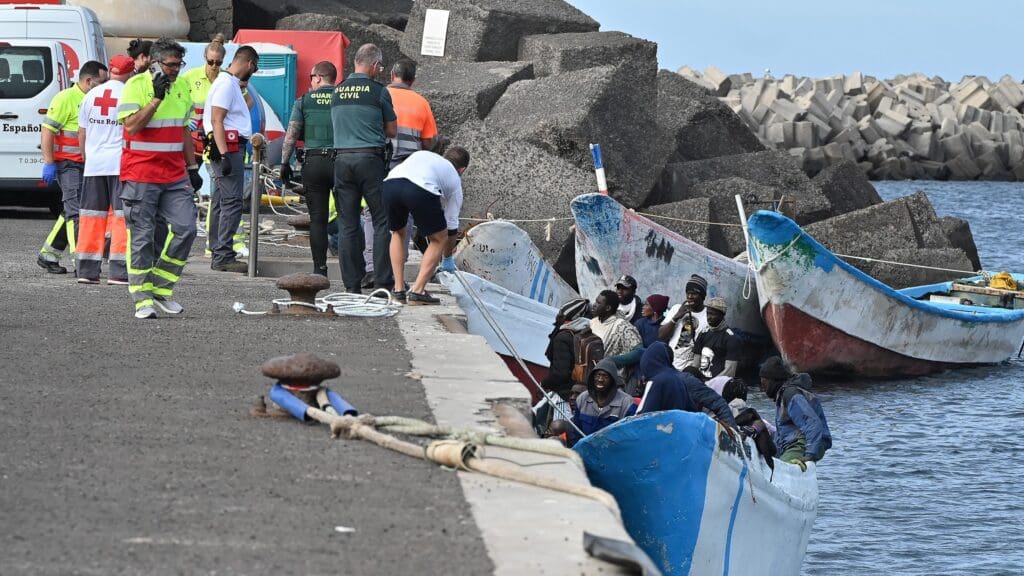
(342, 304)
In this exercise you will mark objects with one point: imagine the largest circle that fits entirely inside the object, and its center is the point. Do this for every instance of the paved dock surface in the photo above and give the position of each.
(126, 446)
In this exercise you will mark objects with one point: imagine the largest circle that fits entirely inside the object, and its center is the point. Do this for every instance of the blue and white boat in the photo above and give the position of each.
(697, 505)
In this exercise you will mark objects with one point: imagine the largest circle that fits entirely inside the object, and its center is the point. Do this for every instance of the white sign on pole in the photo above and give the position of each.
(435, 32)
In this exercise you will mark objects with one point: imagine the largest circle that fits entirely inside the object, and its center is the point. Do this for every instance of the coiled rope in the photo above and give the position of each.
(342, 304)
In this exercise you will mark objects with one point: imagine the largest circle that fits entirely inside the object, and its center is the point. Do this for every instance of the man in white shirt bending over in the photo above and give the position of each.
(229, 126)
(428, 186)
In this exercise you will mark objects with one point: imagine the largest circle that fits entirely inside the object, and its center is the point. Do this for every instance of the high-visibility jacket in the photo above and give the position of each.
(415, 120)
(62, 120)
(199, 89)
(155, 154)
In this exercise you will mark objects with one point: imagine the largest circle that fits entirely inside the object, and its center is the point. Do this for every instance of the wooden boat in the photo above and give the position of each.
(827, 316)
(503, 253)
(612, 241)
(695, 504)
(525, 322)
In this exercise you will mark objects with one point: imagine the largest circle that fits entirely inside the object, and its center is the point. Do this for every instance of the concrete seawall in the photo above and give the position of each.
(907, 127)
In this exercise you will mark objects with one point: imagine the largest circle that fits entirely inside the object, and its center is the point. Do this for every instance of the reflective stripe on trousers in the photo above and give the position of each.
(101, 212)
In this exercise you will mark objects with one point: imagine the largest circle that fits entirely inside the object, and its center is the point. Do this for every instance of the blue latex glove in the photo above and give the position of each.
(49, 173)
(448, 264)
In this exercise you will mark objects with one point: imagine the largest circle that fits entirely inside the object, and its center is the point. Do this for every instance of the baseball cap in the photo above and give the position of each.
(627, 281)
(121, 64)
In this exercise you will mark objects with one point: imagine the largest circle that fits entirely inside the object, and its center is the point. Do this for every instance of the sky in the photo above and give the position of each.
(881, 38)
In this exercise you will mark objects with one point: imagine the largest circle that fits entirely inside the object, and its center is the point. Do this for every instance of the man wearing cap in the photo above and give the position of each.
(100, 137)
(652, 314)
(685, 321)
(629, 302)
(716, 350)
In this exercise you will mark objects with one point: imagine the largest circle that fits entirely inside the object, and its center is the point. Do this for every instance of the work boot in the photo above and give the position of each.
(88, 280)
(233, 266)
(416, 299)
(168, 306)
(145, 312)
(51, 267)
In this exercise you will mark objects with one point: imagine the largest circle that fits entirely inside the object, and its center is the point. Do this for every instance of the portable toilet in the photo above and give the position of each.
(276, 77)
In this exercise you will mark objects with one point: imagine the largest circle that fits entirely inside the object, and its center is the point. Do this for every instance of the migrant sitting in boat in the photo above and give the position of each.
(652, 316)
(622, 342)
(604, 402)
(629, 302)
(669, 389)
(686, 321)
(802, 433)
(717, 350)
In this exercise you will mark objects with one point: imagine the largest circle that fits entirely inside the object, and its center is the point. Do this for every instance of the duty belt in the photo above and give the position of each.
(320, 152)
(378, 151)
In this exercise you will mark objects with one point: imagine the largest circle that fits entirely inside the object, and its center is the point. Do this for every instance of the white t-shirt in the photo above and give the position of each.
(104, 136)
(683, 350)
(226, 93)
(435, 174)
(625, 311)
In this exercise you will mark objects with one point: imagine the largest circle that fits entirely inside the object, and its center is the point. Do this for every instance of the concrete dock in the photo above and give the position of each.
(126, 446)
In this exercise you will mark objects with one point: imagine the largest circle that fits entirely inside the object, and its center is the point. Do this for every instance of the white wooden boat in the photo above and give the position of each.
(612, 241)
(503, 253)
(827, 316)
(697, 506)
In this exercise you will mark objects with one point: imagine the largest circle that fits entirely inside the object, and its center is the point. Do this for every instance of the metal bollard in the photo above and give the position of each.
(258, 144)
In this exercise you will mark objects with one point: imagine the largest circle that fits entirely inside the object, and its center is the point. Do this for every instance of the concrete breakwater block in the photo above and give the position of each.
(261, 14)
(696, 210)
(489, 30)
(694, 125)
(559, 53)
(563, 114)
(358, 33)
(514, 179)
(721, 194)
(846, 187)
(905, 276)
(464, 92)
(958, 232)
(770, 167)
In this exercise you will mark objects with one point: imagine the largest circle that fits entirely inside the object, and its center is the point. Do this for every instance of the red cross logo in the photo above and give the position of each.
(105, 102)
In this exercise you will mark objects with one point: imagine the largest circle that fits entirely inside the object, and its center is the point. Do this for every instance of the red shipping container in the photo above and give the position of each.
(311, 46)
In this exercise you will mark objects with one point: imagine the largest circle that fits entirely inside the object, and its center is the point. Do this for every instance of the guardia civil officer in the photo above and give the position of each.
(363, 119)
(311, 122)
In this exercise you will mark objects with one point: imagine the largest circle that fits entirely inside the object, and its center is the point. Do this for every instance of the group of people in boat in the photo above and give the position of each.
(622, 355)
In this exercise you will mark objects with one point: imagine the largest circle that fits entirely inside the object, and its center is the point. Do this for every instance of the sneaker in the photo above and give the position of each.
(117, 281)
(145, 312)
(414, 299)
(51, 267)
(168, 306)
(88, 280)
(233, 266)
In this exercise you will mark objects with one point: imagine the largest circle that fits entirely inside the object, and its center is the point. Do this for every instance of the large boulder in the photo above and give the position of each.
(358, 33)
(958, 231)
(694, 125)
(486, 30)
(804, 202)
(558, 53)
(517, 180)
(727, 233)
(262, 14)
(905, 276)
(464, 92)
(846, 187)
(688, 218)
(563, 114)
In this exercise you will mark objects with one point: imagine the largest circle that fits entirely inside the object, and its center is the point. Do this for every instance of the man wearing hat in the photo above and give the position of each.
(652, 314)
(685, 321)
(716, 350)
(802, 434)
(101, 137)
(629, 302)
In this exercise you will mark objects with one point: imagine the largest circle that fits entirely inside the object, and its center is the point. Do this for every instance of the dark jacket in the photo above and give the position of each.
(589, 416)
(648, 329)
(561, 356)
(798, 413)
(670, 389)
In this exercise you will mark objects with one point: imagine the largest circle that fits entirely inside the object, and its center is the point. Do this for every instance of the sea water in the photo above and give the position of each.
(926, 476)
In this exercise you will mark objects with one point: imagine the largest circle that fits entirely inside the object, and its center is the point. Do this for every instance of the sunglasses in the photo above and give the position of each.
(214, 62)
(174, 65)
(314, 76)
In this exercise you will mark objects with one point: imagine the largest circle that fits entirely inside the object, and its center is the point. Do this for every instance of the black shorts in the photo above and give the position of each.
(401, 197)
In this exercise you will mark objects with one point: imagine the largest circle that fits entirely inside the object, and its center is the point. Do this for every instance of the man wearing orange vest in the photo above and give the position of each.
(100, 137)
(62, 162)
(159, 175)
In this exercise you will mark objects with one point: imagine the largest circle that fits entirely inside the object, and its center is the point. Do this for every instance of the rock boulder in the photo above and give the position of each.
(558, 53)
(687, 218)
(958, 231)
(358, 33)
(846, 187)
(464, 92)
(727, 235)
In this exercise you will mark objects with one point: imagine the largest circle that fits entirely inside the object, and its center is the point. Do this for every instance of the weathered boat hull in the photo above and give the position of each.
(827, 316)
(503, 253)
(694, 504)
(612, 241)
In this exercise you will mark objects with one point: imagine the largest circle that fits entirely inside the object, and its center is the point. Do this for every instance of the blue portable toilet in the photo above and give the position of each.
(276, 77)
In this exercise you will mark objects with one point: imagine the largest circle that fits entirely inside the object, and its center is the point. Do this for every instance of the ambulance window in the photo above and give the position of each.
(25, 71)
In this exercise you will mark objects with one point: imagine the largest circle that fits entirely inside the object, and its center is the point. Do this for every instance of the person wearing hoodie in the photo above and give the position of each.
(802, 433)
(604, 403)
(573, 319)
(669, 389)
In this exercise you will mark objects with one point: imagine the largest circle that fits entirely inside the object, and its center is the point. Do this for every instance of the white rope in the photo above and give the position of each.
(866, 259)
(342, 303)
(688, 221)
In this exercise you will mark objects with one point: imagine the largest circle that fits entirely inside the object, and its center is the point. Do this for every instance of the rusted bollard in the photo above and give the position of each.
(302, 287)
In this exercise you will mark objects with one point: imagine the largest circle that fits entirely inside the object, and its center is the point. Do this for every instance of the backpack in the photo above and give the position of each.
(587, 351)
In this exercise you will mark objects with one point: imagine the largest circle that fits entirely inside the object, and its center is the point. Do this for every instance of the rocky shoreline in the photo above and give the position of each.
(909, 127)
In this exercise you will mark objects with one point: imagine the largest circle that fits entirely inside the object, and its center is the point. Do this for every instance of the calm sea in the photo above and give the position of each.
(925, 476)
